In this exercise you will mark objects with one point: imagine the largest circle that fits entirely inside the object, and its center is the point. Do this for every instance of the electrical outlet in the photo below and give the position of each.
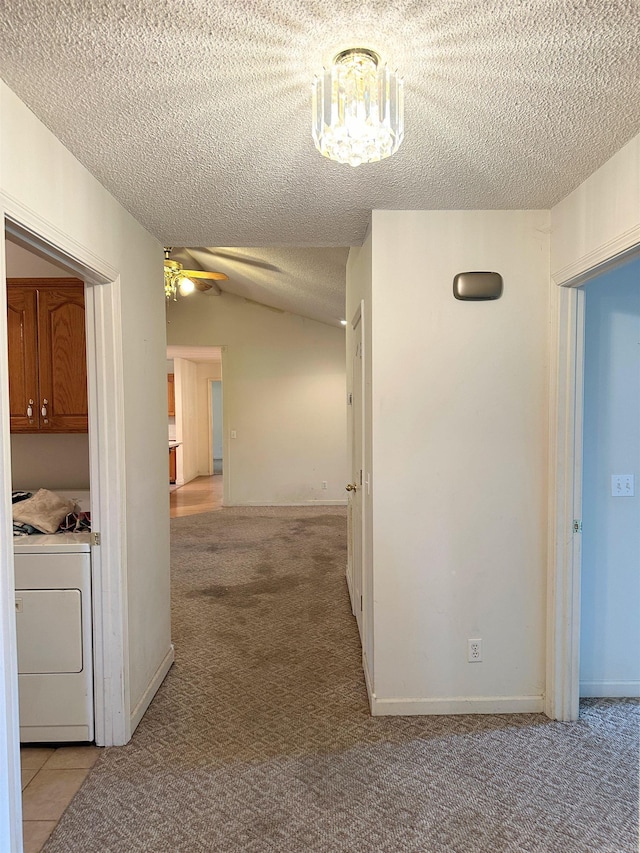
(474, 651)
(324, 484)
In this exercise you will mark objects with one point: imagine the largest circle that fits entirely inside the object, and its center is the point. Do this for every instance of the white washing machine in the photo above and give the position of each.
(55, 638)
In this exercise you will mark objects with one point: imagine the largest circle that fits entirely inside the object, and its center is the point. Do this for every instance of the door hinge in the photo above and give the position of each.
(349, 399)
(577, 525)
(95, 538)
(361, 604)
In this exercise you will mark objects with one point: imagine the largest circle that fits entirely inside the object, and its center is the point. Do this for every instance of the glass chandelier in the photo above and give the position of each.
(358, 109)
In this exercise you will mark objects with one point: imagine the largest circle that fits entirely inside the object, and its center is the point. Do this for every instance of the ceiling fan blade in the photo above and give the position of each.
(209, 253)
(203, 286)
(215, 276)
(250, 262)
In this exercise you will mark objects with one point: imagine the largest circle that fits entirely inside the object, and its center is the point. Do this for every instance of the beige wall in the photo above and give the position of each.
(600, 218)
(38, 175)
(187, 419)
(459, 440)
(207, 372)
(284, 396)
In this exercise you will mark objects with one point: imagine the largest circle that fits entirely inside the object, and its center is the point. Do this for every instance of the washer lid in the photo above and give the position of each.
(52, 543)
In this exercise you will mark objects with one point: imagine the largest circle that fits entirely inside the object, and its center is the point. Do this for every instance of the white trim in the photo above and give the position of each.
(350, 589)
(610, 689)
(588, 265)
(562, 697)
(210, 465)
(368, 681)
(10, 797)
(457, 705)
(152, 688)
(226, 428)
(106, 450)
(108, 501)
(563, 589)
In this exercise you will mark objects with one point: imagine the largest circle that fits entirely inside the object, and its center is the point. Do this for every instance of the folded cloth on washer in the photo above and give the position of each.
(76, 522)
(20, 529)
(44, 510)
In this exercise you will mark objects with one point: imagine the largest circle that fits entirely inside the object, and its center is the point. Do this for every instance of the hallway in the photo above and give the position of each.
(260, 739)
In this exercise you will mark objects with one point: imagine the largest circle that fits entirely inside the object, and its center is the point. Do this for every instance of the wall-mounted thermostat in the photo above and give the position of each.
(477, 285)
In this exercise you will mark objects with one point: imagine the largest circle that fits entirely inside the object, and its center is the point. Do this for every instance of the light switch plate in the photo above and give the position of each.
(622, 485)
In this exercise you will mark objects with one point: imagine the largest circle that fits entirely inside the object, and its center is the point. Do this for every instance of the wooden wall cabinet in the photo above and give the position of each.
(47, 355)
(171, 394)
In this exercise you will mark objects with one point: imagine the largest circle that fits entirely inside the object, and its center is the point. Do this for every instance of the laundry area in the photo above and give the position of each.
(51, 500)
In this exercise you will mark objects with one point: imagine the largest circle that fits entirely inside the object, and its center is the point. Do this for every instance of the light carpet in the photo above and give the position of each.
(260, 738)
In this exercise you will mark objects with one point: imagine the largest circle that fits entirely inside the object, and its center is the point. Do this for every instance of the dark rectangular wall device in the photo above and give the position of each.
(477, 285)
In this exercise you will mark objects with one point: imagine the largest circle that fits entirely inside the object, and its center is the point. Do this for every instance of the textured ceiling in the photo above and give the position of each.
(195, 114)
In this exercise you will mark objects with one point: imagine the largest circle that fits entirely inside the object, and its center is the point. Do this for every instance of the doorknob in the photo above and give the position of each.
(351, 487)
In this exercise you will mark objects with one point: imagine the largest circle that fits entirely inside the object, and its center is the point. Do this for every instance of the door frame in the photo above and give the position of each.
(562, 695)
(106, 450)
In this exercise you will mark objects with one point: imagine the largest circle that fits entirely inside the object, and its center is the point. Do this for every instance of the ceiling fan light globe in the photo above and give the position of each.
(186, 286)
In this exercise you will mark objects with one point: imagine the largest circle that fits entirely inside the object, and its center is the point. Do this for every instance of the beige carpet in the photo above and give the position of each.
(260, 739)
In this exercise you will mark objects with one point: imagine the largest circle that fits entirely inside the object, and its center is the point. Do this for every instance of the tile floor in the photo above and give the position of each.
(50, 779)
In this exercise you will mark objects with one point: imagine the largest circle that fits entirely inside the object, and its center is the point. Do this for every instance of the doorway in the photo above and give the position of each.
(196, 428)
(610, 585)
(105, 476)
(566, 474)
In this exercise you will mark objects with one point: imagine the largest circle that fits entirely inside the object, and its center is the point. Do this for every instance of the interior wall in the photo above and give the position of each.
(217, 428)
(50, 461)
(187, 419)
(460, 456)
(38, 175)
(599, 218)
(284, 398)
(610, 587)
(206, 371)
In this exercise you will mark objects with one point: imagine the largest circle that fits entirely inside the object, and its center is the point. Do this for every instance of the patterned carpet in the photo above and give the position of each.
(260, 738)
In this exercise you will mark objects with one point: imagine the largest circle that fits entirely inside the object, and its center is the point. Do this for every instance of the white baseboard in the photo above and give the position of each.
(152, 688)
(350, 588)
(288, 503)
(455, 705)
(368, 682)
(610, 689)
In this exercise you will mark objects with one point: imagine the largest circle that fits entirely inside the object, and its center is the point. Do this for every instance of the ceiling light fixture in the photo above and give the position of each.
(172, 277)
(358, 109)
(179, 280)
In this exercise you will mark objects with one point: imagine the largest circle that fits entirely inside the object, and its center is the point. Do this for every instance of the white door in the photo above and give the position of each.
(354, 487)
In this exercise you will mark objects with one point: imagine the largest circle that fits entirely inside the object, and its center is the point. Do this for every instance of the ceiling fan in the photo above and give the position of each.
(177, 278)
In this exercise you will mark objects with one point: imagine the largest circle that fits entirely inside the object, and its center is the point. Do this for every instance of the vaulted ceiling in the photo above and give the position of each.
(196, 114)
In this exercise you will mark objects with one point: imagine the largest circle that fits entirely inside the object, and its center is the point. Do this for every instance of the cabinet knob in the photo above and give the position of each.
(44, 408)
(30, 409)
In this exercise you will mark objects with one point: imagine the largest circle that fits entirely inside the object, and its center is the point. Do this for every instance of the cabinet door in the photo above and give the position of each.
(62, 358)
(23, 365)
